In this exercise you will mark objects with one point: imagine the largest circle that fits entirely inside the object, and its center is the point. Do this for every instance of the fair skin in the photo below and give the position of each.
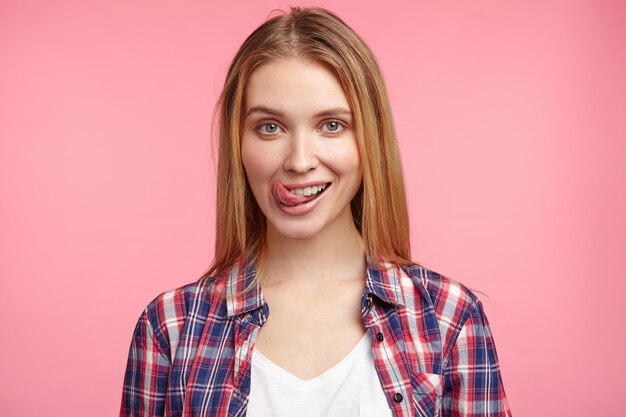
(302, 163)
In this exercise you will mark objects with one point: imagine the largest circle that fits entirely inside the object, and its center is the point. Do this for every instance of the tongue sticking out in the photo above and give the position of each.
(286, 197)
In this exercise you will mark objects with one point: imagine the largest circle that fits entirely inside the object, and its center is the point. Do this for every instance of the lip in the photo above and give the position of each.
(304, 208)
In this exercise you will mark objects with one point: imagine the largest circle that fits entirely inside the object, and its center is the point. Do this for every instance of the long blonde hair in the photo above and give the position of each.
(379, 208)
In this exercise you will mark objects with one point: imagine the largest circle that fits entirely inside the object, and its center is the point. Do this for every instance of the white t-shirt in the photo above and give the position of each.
(350, 388)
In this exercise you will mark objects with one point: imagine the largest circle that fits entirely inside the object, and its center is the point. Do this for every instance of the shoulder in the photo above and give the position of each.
(445, 293)
(452, 302)
(167, 313)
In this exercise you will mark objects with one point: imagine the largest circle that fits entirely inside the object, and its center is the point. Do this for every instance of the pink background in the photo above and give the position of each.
(511, 117)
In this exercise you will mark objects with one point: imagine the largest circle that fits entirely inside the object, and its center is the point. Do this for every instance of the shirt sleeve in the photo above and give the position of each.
(473, 385)
(147, 372)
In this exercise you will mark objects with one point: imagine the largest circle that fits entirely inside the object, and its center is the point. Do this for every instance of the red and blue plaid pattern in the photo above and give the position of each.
(433, 349)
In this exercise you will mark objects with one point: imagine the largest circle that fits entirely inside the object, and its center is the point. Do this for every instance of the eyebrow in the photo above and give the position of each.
(330, 112)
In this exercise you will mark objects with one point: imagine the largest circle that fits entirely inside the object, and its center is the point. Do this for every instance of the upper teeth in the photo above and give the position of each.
(306, 191)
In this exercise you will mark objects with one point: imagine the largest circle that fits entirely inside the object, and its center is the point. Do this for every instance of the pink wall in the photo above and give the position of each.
(511, 117)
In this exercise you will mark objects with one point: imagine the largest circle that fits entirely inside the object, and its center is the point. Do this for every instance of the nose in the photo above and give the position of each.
(301, 155)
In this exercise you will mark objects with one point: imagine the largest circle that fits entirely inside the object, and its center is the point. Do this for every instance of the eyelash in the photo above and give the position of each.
(340, 125)
(266, 123)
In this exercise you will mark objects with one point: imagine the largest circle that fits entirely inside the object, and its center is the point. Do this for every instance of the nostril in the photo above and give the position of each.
(300, 163)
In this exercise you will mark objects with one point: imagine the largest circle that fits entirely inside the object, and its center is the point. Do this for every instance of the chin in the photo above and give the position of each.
(299, 229)
(297, 232)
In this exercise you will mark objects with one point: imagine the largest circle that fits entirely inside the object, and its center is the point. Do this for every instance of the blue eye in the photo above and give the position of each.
(333, 126)
(269, 128)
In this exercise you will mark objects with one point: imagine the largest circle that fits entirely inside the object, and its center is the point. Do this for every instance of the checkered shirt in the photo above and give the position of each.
(433, 349)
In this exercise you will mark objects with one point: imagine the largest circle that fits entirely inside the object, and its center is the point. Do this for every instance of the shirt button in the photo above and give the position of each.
(368, 303)
(398, 397)
(380, 337)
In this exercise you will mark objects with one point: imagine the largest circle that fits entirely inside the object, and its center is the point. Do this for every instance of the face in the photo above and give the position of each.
(298, 148)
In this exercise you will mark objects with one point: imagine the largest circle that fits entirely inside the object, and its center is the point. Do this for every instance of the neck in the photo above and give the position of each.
(335, 253)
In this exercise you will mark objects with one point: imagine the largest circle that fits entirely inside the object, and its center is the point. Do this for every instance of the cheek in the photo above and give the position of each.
(253, 162)
(346, 160)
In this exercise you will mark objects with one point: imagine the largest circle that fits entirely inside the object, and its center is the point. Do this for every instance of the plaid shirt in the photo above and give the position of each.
(432, 347)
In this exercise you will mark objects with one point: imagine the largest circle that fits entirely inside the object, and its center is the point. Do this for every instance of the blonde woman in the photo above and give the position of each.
(312, 306)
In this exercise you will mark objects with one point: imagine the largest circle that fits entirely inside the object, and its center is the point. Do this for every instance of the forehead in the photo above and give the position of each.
(294, 84)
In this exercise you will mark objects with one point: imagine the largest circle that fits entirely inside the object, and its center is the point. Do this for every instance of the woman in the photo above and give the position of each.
(312, 227)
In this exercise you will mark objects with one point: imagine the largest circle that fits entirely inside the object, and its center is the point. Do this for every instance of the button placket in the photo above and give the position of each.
(384, 351)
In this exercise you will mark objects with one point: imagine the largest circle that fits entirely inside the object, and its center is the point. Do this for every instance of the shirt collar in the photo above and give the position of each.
(243, 293)
(383, 279)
